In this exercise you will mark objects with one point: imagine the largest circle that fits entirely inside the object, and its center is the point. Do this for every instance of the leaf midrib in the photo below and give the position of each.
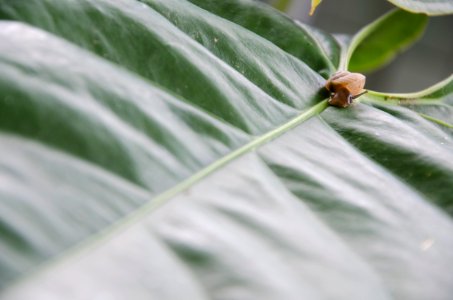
(143, 211)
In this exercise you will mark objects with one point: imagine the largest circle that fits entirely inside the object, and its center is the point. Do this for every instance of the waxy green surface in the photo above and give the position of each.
(168, 150)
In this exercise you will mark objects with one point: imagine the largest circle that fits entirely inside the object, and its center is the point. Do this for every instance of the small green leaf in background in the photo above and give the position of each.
(429, 7)
(314, 4)
(379, 42)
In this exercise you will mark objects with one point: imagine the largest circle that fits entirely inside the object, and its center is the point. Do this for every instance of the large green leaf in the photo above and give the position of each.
(155, 149)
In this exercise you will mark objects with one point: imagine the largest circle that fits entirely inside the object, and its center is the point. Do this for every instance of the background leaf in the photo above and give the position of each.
(379, 42)
(429, 7)
(163, 150)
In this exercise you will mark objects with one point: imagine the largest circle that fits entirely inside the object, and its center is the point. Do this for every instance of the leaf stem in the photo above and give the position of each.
(416, 95)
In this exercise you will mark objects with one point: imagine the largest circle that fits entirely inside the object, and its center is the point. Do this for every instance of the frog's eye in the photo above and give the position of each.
(350, 98)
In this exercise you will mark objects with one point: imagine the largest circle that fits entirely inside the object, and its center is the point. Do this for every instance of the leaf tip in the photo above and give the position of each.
(314, 4)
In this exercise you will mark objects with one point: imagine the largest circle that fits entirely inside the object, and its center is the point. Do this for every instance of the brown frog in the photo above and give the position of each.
(344, 87)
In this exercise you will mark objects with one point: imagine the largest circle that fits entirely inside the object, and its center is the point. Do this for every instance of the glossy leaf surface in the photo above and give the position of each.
(163, 150)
